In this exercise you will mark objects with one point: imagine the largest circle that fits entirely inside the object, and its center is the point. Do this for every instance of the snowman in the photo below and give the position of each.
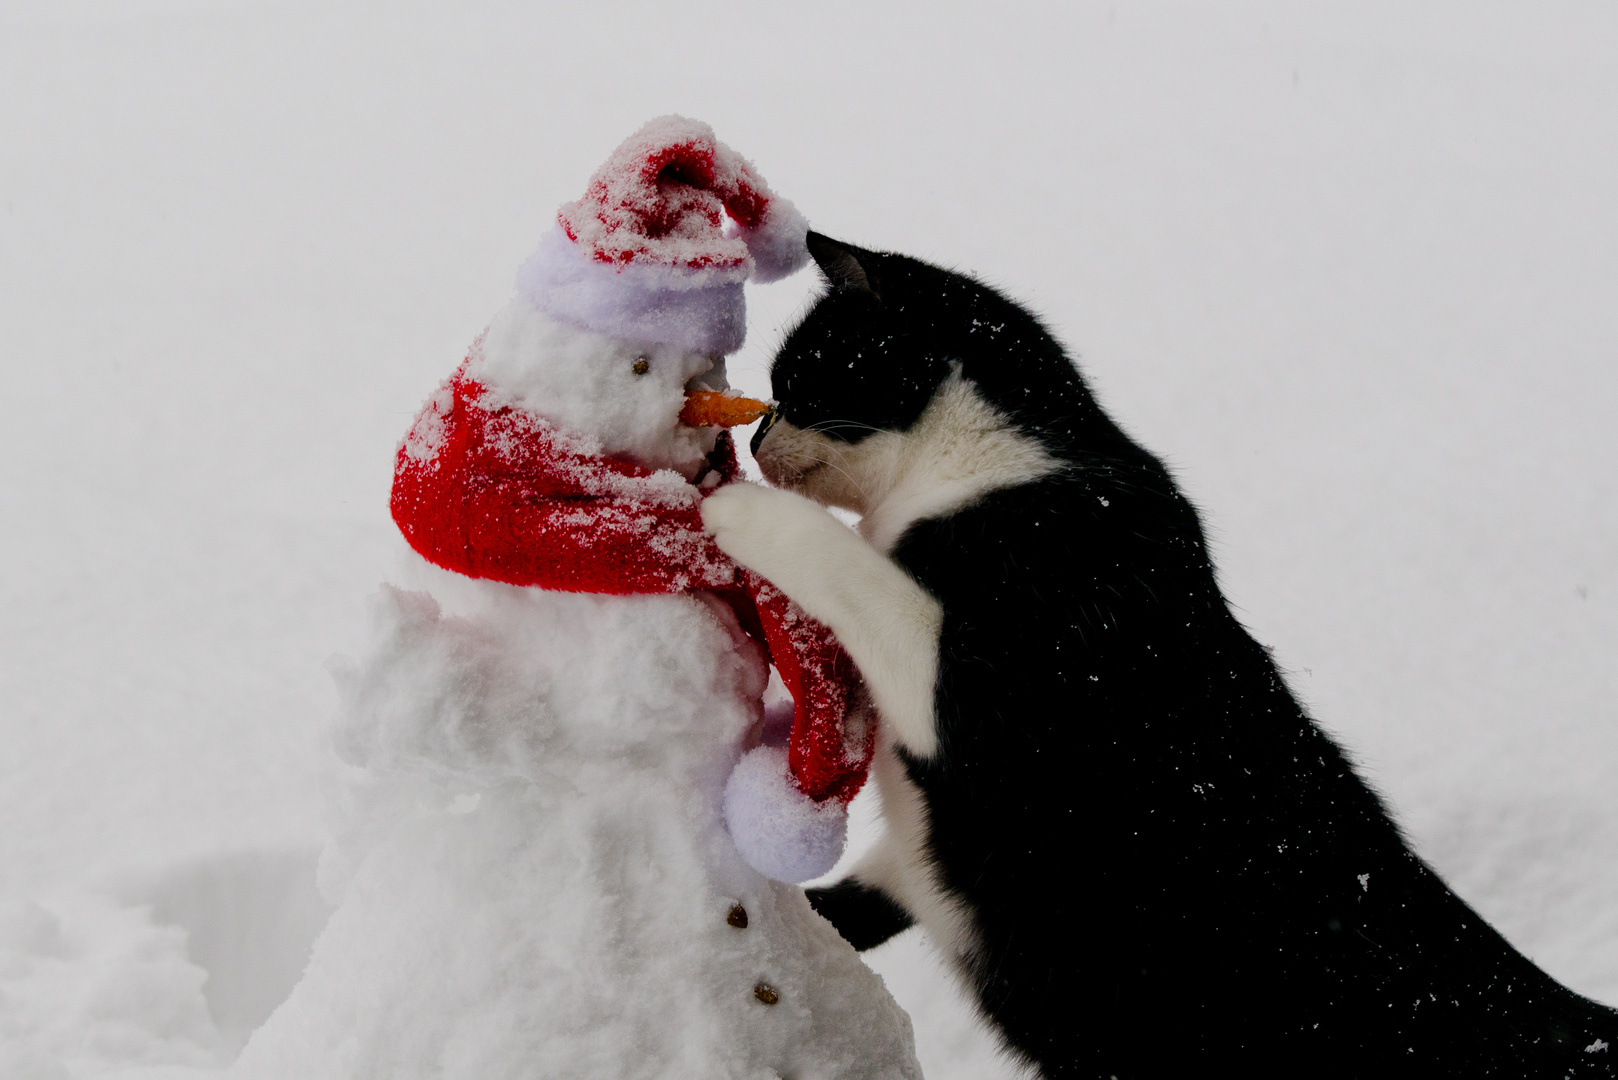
(566, 828)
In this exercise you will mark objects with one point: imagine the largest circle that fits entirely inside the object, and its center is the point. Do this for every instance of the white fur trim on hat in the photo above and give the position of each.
(702, 310)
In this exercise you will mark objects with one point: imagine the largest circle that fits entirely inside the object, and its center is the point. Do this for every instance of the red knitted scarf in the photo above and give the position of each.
(492, 491)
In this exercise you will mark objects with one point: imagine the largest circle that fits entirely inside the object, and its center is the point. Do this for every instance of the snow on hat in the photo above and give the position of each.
(648, 253)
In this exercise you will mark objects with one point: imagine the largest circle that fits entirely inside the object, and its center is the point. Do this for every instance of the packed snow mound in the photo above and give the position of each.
(531, 873)
(89, 985)
(160, 976)
(478, 683)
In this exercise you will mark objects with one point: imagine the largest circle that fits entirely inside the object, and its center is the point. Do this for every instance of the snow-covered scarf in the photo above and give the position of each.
(493, 491)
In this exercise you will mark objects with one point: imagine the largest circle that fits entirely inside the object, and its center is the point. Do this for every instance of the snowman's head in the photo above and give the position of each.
(636, 294)
(622, 396)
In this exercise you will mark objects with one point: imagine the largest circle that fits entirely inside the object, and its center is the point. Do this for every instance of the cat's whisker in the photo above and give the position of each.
(864, 495)
(832, 425)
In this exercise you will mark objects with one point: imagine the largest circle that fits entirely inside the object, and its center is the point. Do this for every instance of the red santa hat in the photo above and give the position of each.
(660, 244)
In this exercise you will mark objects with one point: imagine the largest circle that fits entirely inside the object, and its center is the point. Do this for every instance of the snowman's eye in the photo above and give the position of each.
(641, 365)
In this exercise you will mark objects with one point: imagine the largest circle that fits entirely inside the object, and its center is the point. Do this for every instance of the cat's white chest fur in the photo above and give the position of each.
(959, 450)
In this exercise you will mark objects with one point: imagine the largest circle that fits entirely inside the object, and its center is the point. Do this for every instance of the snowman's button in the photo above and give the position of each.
(766, 993)
(737, 917)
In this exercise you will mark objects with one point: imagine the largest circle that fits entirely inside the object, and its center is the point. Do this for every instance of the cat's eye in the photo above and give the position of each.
(641, 365)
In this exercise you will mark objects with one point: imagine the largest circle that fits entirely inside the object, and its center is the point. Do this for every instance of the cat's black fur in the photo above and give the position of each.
(1172, 871)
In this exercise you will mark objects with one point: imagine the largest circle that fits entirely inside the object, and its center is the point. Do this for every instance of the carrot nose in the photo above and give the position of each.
(712, 408)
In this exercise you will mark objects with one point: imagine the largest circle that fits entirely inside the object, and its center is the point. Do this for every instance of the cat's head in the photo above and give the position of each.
(891, 343)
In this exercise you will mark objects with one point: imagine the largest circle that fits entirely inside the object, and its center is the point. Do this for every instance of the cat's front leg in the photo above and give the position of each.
(888, 623)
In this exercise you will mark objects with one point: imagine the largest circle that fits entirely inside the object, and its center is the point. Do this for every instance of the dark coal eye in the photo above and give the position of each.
(641, 365)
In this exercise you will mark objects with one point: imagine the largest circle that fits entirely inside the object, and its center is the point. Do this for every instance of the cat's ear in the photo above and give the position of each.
(841, 266)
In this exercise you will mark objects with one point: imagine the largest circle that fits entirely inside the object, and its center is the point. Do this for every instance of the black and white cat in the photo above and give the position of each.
(1102, 801)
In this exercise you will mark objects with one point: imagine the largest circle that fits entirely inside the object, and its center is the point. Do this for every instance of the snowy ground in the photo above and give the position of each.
(1350, 267)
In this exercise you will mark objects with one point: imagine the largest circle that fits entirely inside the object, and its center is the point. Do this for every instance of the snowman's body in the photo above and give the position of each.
(530, 866)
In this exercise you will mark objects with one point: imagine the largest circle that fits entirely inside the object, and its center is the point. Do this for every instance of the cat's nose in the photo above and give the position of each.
(763, 429)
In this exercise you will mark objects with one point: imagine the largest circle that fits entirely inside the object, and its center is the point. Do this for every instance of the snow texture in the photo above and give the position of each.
(89, 986)
(530, 871)
(529, 864)
(591, 387)
(662, 198)
(1349, 266)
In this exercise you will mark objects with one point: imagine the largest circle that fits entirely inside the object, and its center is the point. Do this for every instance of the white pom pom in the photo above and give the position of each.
(780, 831)
(777, 244)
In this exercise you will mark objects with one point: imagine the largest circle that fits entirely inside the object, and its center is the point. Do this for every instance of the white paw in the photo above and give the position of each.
(888, 623)
(769, 531)
(735, 508)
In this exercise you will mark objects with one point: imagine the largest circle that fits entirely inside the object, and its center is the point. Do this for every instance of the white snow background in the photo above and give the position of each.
(1351, 268)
